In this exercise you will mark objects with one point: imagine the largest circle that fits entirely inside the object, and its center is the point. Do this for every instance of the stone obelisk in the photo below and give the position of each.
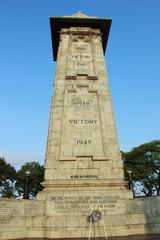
(84, 195)
(83, 167)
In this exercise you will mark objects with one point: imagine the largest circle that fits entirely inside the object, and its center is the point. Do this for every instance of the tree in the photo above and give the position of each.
(144, 162)
(35, 177)
(7, 179)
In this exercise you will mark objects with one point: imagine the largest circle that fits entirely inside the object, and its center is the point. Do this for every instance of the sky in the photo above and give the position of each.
(27, 71)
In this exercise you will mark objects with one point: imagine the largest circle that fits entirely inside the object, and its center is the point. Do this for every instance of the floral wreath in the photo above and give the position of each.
(95, 216)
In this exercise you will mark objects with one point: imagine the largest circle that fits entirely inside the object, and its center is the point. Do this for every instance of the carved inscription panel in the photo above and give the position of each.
(80, 59)
(81, 131)
(8, 211)
(83, 205)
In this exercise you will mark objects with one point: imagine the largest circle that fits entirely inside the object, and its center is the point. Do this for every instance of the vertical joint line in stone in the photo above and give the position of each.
(49, 129)
(93, 55)
(61, 130)
(68, 50)
(98, 102)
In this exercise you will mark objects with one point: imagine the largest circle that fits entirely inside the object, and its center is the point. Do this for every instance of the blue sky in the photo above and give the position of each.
(27, 71)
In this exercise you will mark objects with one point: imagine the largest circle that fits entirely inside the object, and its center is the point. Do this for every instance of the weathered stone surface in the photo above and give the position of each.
(65, 217)
(83, 167)
(82, 139)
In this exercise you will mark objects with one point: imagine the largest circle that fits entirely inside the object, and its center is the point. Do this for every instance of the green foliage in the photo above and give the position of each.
(7, 189)
(7, 179)
(144, 162)
(35, 177)
(6, 171)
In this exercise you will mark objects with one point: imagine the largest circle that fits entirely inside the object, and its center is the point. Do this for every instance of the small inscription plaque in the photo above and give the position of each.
(84, 176)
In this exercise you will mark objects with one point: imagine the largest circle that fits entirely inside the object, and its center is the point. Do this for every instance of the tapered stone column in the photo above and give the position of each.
(83, 167)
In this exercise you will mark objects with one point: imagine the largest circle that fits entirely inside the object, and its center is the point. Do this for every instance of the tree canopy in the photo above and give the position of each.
(7, 178)
(35, 177)
(144, 162)
(13, 183)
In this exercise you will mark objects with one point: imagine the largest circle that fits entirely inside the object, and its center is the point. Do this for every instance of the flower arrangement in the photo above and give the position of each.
(95, 216)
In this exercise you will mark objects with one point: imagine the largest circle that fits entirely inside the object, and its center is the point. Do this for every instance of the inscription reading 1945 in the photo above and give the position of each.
(83, 141)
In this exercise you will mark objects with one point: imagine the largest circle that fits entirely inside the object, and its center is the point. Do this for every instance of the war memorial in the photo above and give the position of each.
(84, 195)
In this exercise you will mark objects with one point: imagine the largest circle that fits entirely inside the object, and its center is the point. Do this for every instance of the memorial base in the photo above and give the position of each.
(64, 218)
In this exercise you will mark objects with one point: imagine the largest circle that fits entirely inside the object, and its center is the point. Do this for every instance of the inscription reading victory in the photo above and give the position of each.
(81, 56)
(81, 121)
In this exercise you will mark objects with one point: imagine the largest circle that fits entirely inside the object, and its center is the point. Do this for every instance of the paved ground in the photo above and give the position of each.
(136, 237)
(147, 237)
